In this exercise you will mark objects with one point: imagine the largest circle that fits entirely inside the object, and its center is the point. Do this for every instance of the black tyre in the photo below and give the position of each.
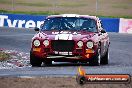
(105, 59)
(96, 60)
(34, 61)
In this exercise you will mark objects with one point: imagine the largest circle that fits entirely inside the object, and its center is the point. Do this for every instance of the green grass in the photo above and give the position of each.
(32, 13)
(34, 4)
(72, 4)
(51, 13)
(4, 56)
(123, 6)
(6, 1)
(26, 4)
(49, 5)
(43, 4)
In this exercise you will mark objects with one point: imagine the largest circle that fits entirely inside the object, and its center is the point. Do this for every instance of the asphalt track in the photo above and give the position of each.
(20, 39)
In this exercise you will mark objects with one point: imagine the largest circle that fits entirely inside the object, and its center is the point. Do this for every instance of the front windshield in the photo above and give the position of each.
(70, 23)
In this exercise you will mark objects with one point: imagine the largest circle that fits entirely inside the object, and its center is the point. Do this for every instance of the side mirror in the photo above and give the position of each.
(103, 31)
(36, 29)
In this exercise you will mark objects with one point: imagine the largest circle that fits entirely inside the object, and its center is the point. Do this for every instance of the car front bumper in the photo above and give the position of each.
(63, 58)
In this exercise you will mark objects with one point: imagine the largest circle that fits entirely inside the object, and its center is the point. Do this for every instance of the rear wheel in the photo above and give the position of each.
(105, 59)
(35, 61)
(96, 60)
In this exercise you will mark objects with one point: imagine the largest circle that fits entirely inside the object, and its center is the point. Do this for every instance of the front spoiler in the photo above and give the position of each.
(59, 56)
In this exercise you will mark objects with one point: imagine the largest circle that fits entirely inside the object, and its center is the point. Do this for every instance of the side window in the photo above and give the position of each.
(101, 24)
(101, 28)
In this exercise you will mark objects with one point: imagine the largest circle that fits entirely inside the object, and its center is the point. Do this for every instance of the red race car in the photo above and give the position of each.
(70, 38)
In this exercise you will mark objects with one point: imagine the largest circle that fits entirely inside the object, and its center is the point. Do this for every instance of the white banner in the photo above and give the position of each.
(125, 25)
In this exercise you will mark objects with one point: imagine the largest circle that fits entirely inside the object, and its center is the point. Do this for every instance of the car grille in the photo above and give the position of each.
(62, 45)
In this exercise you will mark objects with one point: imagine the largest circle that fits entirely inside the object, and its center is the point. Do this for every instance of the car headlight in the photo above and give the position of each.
(90, 44)
(46, 42)
(36, 43)
(80, 44)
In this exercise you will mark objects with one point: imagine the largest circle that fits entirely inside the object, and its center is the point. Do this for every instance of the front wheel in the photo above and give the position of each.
(105, 59)
(35, 61)
(96, 60)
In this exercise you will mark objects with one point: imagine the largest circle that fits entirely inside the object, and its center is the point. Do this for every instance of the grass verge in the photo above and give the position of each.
(4, 56)
(32, 13)
(51, 13)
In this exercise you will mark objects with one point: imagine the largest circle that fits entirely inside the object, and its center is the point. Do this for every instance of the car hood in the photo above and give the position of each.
(66, 35)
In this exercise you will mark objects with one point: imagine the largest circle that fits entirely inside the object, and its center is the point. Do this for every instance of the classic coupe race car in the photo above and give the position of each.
(70, 38)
